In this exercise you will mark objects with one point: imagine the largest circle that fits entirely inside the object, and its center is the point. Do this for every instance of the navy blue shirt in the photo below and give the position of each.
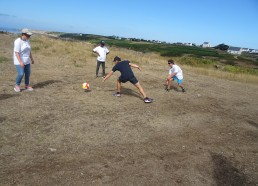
(125, 69)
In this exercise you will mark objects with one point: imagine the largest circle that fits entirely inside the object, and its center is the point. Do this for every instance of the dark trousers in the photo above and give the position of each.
(103, 68)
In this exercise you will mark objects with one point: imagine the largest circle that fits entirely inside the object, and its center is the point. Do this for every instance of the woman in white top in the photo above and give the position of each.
(22, 59)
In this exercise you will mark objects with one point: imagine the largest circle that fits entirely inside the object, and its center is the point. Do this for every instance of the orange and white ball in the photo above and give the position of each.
(85, 86)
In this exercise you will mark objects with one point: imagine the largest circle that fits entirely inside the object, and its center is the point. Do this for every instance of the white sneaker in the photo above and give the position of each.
(28, 88)
(17, 88)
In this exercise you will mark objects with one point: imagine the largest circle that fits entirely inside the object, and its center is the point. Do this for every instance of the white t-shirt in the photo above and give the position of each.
(176, 69)
(102, 53)
(23, 48)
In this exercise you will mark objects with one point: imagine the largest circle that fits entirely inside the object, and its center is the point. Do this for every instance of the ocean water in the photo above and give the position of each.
(11, 30)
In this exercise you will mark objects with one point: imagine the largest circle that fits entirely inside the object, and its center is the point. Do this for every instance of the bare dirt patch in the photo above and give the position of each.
(61, 135)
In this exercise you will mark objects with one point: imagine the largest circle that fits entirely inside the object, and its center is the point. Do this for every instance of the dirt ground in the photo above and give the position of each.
(60, 135)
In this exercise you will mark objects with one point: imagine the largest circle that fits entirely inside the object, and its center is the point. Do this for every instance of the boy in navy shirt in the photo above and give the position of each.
(124, 67)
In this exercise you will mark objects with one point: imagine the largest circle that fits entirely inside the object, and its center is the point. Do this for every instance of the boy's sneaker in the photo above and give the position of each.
(148, 100)
(17, 88)
(28, 88)
(183, 90)
(117, 94)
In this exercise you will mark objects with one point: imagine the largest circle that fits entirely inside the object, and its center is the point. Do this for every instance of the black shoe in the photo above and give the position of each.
(167, 89)
(148, 100)
(183, 90)
(117, 94)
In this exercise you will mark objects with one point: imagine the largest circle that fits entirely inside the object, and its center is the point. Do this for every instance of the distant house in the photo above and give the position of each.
(206, 45)
(235, 50)
(188, 44)
(253, 51)
(245, 49)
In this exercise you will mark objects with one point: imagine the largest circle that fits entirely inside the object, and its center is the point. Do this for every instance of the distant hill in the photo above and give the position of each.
(190, 55)
(200, 56)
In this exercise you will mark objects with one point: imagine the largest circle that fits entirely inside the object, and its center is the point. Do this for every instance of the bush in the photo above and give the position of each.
(182, 50)
(197, 62)
(221, 47)
(3, 59)
(243, 70)
(232, 63)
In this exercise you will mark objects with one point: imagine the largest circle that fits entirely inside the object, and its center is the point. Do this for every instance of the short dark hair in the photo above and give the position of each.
(117, 59)
(171, 61)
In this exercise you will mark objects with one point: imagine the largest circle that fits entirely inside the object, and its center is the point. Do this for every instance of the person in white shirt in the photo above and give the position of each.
(102, 52)
(175, 73)
(22, 59)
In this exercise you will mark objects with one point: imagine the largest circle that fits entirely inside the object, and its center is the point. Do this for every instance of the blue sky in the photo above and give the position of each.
(233, 22)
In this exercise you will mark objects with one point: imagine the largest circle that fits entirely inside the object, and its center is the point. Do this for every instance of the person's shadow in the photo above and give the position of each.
(46, 83)
(130, 92)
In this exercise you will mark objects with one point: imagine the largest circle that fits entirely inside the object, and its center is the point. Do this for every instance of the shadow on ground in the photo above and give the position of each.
(225, 173)
(7, 96)
(130, 92)
(46, 83)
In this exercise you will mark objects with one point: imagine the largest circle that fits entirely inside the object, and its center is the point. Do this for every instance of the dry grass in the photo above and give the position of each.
(60, 135)
(244, 78)
(138, 57)
(79, 53)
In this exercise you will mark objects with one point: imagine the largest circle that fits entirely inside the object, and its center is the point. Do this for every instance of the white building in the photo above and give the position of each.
(245, 49)
(253, 51)
(188, 44)
(235, 50)
(206, 45)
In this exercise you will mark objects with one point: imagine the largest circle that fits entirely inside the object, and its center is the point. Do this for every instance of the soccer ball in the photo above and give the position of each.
(85, 86)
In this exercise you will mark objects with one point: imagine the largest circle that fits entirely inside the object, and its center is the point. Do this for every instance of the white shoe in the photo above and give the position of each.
(29, 88)
(17, 88)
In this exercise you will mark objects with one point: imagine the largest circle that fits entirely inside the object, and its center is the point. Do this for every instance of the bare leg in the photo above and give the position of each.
(181, 86)
(169, 84)
(140, 89)
(118, 86)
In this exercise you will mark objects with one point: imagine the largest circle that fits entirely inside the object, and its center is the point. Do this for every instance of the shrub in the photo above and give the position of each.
(243, 70)
(197, 62)
(37, 48)
(232, 63)
(3, 59)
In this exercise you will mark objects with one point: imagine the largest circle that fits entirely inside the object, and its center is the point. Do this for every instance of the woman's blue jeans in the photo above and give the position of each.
(21, 72)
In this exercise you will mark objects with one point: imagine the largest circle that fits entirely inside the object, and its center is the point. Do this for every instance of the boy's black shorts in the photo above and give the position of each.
(133, 80)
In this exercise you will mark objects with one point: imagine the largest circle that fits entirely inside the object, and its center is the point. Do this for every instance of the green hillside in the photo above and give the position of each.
(189, 55)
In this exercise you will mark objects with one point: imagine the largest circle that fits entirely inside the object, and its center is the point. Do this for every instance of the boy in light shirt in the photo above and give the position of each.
(102, 52)
(175, 73)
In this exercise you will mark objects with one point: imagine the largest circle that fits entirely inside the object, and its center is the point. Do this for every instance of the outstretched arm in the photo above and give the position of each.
(135, 66)
(109, 74)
